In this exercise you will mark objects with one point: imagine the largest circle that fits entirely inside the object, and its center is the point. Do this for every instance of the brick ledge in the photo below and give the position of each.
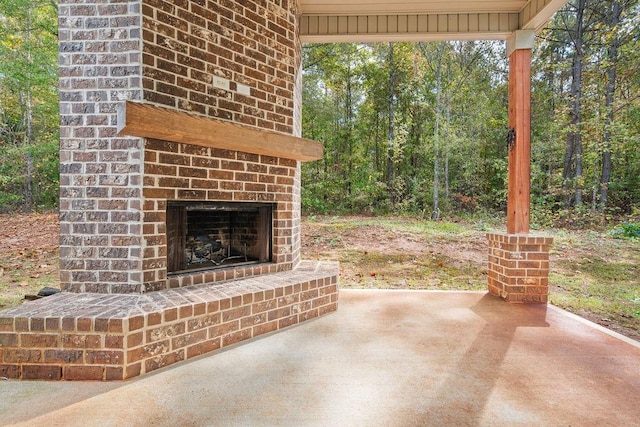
(74, 336)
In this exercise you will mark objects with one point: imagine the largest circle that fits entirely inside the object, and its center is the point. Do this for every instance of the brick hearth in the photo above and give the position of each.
(89, 336)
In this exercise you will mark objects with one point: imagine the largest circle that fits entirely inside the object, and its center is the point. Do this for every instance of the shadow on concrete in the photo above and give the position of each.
(461, 399)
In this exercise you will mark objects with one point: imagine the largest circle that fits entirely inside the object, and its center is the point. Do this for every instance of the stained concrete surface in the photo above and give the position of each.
(386, 358)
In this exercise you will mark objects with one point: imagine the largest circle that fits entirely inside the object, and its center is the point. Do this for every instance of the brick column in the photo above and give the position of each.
(100, 172)
(519, 267)
(519, 262)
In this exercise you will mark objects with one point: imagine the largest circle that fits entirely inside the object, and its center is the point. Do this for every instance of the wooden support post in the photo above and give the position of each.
(519, 262)
(519, 139)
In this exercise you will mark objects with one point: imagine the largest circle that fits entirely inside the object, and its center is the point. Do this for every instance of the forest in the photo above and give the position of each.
(409, 128)
(421, 128)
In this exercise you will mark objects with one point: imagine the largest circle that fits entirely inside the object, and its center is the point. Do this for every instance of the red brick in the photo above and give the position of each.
(189, 339)
(236, 337)
(199, 309)
(149, 350)
(203, 347)
(114, 373)
(100, 325)
(170, 315)
(224, 329)
(287, 321)
(21, 355)
(83, 373)
(327, 309)
(154, 319)
(6, 324)
(114, 341)
(41, 372)
(63, 356)
(11, 372)
(225, 304)
(81, 341)
(306, 315)
(134, 340)
(161, 361)
(186, 311)
(104, 357)
(38, 340)
(279, 313)
(265, 328)
(529, 264)
(236, 313)
(203, 322)
(84, 324)
(115, 325)
(52, 324)
(133, 370)
(136, 323)
(309, 295)
(263, 306)
(288, 300)
(253, 320)
(536, 290)
(166, 331)
(8, 340)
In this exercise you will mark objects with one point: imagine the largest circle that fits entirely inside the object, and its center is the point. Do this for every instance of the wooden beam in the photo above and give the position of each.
(518, 198)
(149, 121)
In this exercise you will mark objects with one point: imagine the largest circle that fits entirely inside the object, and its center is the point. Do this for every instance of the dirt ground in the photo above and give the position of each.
(398, 253)
(29, 255)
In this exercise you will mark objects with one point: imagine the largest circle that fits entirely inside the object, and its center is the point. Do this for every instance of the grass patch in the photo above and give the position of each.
(396, 224)
(408, 271)
(609, 289)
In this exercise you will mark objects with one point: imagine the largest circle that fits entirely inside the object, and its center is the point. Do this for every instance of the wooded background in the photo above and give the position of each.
(412, 128)
(422, 127)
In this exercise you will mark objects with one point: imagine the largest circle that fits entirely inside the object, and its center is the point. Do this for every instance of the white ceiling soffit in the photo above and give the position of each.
(412, 20)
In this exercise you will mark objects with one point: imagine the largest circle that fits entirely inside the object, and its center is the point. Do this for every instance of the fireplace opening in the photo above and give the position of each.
(210, 235)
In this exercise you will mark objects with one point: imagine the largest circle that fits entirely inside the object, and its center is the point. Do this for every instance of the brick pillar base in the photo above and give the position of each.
(519, 267)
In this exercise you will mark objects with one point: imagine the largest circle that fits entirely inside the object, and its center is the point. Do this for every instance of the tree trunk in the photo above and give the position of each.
(28, 121)
(447, 140)
(349, 131)
(390, 134)
(572, 172)
(616, 11)
(436, 135)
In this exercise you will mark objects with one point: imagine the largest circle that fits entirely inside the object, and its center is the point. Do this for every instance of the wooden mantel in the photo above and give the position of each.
(149, 121)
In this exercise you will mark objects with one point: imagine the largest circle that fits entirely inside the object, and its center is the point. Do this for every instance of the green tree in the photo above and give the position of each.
(29, 104)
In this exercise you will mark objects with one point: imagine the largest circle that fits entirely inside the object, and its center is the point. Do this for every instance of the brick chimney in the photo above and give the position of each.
(227, 61)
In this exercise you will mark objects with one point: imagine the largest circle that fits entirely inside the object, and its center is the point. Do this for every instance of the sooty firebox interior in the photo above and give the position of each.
(208, 235)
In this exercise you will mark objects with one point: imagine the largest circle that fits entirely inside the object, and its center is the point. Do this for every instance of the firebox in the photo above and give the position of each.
(210, 235)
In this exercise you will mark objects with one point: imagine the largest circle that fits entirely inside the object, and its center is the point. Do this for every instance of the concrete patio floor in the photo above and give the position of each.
(386, 358)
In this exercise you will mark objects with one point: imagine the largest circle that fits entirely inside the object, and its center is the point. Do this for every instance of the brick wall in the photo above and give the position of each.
(166, 53)
(519, 267)
(100, 172)
(250, 43)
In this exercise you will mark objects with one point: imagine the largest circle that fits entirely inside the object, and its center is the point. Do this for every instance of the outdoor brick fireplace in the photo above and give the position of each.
(180, 190)
(215, 235)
